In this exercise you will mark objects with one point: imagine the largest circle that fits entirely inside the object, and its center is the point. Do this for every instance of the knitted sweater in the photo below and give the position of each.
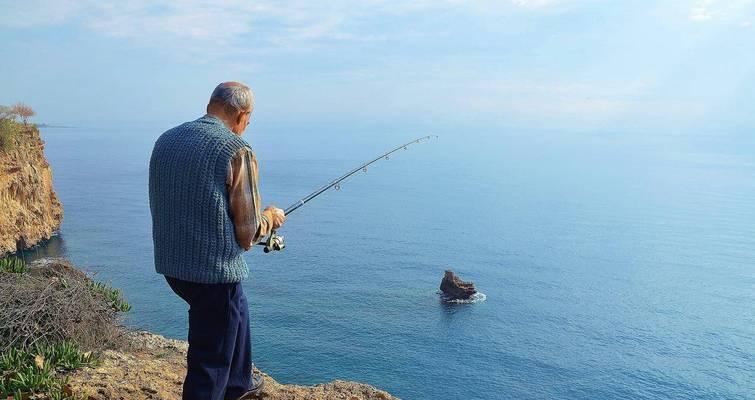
(192, 231)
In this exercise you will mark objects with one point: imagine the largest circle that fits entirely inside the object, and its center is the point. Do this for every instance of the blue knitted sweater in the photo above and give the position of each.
(192, 230)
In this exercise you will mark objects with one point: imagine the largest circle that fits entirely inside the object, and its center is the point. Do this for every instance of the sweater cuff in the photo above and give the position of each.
(265, 215)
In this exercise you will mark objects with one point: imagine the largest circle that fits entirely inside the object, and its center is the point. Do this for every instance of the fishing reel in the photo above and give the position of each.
(274, 242)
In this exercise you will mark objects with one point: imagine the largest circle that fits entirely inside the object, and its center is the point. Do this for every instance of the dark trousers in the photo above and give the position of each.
(219, 362)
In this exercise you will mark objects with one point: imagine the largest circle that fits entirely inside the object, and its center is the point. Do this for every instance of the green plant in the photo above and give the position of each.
(7, 113)
(13, 359)
(13, 265)
(38, 370)
(113, 296)
(8, 132)
(65, 356)
(30, 378)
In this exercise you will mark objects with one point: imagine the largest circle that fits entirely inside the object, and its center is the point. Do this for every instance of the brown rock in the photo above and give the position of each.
(30, 211)
(454, 288)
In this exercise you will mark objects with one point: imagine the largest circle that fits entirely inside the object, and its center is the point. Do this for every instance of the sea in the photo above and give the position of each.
(614, 265)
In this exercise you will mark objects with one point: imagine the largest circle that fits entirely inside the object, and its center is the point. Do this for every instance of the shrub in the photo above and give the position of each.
(7, 113)
(50, 312)
(54, 302)
(9, 130)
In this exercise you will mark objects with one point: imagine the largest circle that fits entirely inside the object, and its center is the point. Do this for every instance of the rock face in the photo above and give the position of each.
(29, 208)
(154, 368)
(454, 288)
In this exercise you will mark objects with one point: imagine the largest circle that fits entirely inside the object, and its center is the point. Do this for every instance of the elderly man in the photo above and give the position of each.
(205, 214)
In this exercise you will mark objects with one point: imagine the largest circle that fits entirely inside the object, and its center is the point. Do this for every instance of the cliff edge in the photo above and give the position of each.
(30, 211)
(154, 368)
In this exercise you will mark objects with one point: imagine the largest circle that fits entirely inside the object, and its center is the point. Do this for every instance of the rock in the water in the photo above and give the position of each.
(456, 289)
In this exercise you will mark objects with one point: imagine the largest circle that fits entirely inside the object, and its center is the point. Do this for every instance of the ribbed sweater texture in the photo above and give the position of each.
(192, 230)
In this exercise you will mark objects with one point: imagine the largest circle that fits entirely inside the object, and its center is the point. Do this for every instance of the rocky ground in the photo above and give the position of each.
(155, 366)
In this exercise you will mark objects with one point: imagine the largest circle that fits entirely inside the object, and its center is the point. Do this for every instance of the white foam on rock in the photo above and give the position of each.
(476, 298)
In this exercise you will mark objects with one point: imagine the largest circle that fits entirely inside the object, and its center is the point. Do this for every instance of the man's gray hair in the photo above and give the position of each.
(233, 96)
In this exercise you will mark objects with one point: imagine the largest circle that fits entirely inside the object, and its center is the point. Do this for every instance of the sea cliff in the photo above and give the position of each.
(30, 211)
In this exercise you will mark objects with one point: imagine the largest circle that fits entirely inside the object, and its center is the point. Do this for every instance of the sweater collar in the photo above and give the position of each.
(211, 119)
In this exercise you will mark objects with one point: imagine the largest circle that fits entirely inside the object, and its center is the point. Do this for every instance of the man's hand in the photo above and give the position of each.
(276, 215)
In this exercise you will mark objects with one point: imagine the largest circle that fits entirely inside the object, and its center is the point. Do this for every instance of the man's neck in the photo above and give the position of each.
(219, 118)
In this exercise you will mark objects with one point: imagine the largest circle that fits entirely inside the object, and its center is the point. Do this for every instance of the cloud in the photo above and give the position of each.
(222, 22)
(197, 20)
(532, 3)
(37, 13)
(474, 62)
(738, 11)
(701, 11)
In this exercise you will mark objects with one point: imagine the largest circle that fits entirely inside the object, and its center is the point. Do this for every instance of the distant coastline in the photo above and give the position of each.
(54, 126)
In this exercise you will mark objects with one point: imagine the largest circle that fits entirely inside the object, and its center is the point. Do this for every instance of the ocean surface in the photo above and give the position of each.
(615, 265)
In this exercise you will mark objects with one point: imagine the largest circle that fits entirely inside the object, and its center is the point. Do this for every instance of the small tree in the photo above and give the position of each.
(24, 111)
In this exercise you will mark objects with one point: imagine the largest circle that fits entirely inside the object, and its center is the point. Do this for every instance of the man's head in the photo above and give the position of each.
(233, 103)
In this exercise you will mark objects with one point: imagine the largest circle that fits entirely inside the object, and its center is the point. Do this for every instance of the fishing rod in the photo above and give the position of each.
(275, 242)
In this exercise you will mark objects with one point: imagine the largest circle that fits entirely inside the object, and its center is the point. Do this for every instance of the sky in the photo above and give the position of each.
(569, 65)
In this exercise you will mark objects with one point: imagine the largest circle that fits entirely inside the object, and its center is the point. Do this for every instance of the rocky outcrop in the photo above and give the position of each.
(30, 211)
(154, 368)
(454, 288)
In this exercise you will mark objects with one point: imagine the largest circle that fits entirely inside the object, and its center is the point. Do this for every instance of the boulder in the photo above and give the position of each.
(454, 288)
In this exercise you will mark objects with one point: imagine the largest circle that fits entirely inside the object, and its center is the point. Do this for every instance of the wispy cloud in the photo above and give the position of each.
(419, 57)
(222, 22)
(740, 11)
(533, 3)
(702, 11)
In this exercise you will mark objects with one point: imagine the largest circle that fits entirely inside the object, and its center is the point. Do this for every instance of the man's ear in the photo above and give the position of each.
(239, 117)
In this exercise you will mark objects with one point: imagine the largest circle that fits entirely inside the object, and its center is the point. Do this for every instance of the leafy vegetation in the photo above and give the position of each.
(48, 314)
(41, 370)
(7, 112)
(14, 265)
(9, 130)
(113, 296)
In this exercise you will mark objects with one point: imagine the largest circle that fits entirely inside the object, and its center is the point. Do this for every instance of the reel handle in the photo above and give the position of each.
(274, 242)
